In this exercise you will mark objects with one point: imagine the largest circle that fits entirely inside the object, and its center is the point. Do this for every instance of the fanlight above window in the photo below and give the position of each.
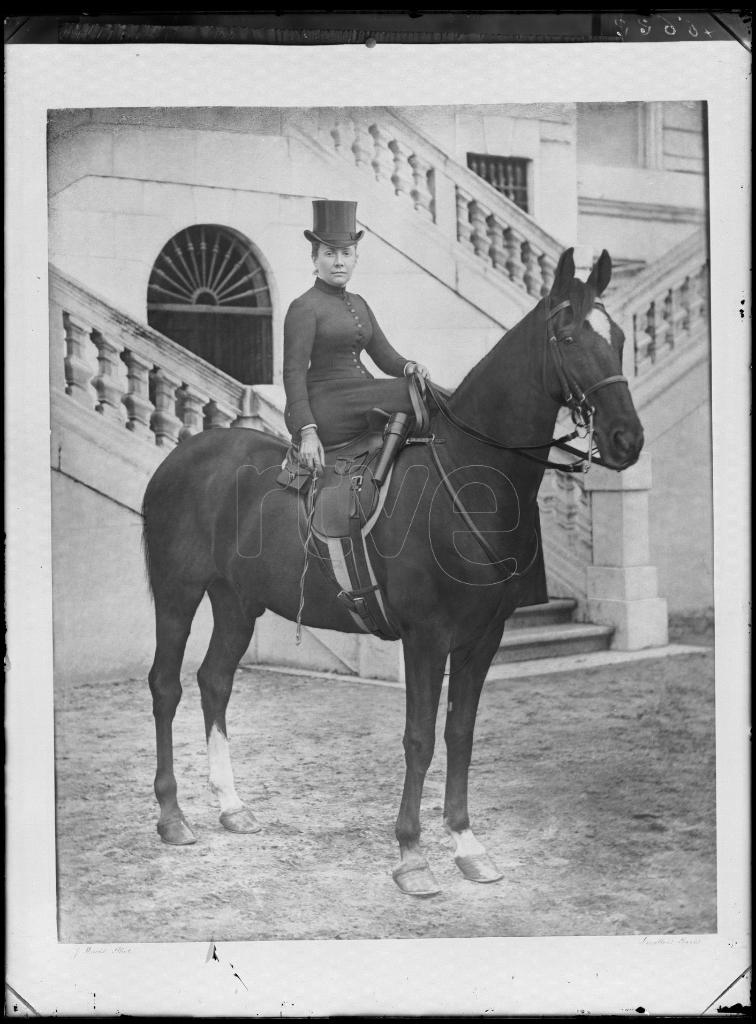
(208, 292)
(206, 265)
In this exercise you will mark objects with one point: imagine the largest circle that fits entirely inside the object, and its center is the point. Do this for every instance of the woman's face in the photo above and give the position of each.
(335, 266)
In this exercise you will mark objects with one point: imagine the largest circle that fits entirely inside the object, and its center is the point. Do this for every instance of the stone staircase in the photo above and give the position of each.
(548, 631)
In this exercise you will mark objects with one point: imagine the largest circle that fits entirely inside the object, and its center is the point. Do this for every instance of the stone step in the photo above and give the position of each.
(551, 641)
(556, 611)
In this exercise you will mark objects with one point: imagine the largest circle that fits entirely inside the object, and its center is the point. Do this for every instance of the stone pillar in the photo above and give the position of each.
(622, 587)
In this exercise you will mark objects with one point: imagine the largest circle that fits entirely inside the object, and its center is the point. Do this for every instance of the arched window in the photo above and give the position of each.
(208, 292)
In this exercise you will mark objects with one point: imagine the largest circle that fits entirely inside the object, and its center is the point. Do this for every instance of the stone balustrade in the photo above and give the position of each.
(137, 378)
(665, 308)
(477, 218)
(391, 158)
(499, 235)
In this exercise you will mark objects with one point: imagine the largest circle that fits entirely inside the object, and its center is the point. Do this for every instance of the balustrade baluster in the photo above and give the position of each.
(513, 240)
(480, 240)
(219, 415)
(164, 421)
(548, 266)
(699, 310)
(636, 346)
(383, 160)
(139, 408)
(343, 133)
(532, 275)
(400, 178)
(77, 368)
(678, 315)
(361, 147)
(464, 228)
(685, 303)
(421, 193)
(57, 347)
(651, 330)
(189, 406)
(668, 318)
(497, 250)
(109, 388)
(336, 133)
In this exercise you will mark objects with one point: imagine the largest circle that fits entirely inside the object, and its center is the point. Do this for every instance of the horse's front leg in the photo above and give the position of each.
(424, 659)
(468, 668)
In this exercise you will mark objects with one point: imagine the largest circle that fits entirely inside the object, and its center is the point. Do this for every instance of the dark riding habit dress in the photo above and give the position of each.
(325, 331)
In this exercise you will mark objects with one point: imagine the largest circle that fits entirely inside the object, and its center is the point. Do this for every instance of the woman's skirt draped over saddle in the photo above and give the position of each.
(326, 384)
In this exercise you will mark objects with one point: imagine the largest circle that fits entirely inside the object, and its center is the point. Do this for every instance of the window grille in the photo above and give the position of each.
(507, 174)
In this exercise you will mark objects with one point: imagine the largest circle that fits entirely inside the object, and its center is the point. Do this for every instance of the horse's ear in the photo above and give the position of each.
(601, 274)
(564, 274)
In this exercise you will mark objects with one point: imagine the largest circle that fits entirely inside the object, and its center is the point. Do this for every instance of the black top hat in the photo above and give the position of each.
(334, 223)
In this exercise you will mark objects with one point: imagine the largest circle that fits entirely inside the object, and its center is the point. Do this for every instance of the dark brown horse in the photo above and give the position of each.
(215, 522)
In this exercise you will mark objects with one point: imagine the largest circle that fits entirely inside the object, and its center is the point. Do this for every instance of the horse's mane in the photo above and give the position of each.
(492, 352)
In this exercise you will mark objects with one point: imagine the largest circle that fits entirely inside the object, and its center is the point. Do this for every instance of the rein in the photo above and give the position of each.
(573, 397)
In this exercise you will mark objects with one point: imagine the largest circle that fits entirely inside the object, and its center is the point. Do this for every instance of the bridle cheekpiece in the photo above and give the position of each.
(573, 395)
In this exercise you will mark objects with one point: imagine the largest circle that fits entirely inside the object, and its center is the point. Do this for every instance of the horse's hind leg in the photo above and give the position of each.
(173, 613)
(424, 657)
(468, 668)
(232, 632)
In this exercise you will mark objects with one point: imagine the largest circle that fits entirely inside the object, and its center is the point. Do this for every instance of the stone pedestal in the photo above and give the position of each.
(622, 586)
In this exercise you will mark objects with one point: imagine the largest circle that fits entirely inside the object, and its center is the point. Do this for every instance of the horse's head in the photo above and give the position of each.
(583, 368)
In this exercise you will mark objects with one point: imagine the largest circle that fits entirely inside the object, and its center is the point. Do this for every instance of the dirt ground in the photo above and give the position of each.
(593, 792)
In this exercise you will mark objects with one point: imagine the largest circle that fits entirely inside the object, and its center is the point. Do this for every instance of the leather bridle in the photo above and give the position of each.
(573, 396)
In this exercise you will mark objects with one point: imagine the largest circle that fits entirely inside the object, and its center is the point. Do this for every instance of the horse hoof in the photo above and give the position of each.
(176, 832)
(241, 821)
(478, 867)
(416, 880)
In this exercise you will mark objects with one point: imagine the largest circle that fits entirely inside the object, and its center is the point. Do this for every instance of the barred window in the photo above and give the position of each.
(507, 174)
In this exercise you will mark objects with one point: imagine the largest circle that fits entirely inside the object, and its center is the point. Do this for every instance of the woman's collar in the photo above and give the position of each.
(329, 289)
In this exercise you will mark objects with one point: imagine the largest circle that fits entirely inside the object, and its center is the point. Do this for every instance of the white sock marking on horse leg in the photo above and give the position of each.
(221, 773)
(465, 843)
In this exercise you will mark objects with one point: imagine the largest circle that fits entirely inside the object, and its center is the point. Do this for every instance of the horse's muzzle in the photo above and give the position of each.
(622, 448)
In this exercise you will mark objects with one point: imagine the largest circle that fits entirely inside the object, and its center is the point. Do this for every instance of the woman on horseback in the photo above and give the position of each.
(329, 393)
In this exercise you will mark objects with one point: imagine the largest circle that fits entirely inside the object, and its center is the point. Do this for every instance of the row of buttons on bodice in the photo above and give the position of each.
(360, 336)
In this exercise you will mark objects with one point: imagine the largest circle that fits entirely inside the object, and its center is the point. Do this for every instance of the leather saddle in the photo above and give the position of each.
(345, 490)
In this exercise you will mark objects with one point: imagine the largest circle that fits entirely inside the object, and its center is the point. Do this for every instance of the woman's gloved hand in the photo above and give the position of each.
(311, 452)
(413, 367)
